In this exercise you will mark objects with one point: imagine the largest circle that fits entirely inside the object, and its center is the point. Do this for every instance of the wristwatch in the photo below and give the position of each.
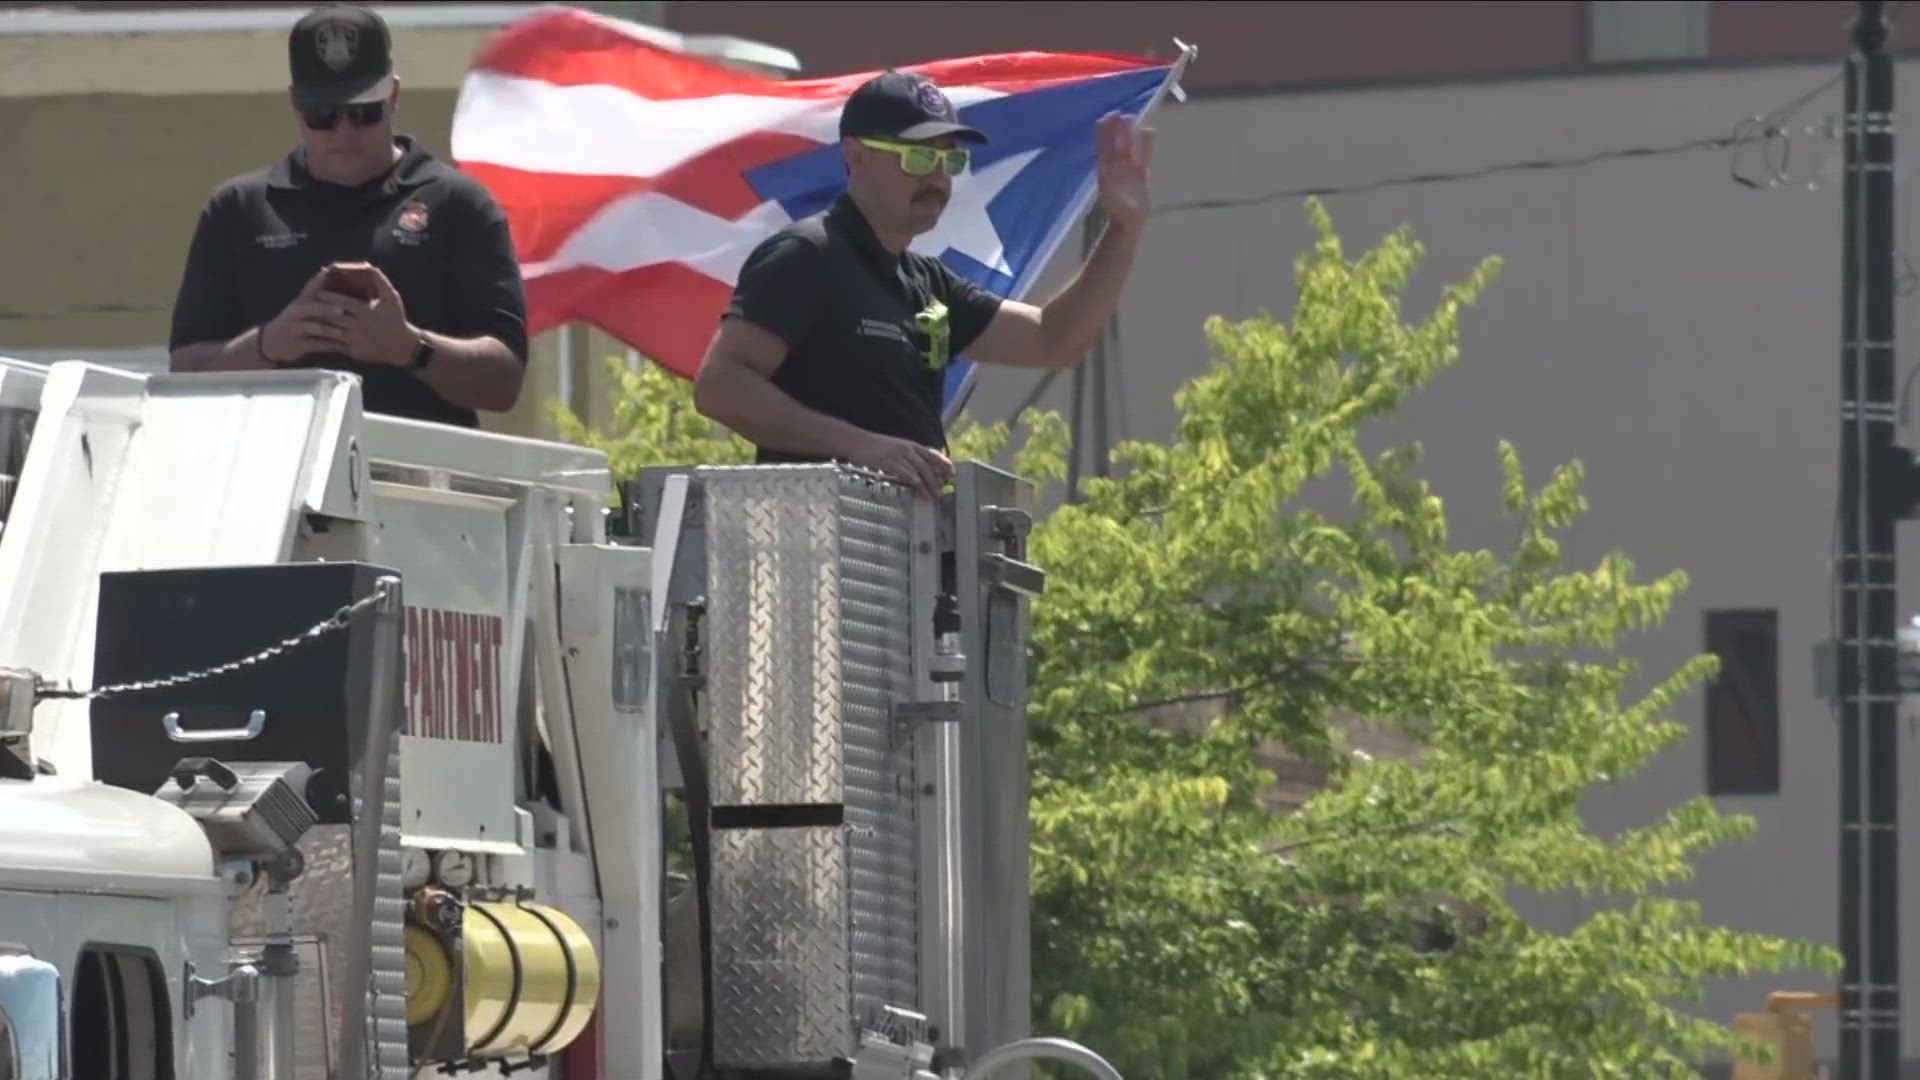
(422, 352)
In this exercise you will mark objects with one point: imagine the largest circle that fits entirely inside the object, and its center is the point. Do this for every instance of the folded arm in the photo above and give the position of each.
(207, 333)
(735, 388)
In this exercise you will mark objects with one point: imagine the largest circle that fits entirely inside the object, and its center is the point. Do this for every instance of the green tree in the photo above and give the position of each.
(654, 423)
(1198, 615)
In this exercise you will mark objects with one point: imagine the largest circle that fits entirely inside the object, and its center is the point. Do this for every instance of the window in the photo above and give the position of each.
(1628, 30)
(1743, 703)
(30, 1019)
(121, 1016)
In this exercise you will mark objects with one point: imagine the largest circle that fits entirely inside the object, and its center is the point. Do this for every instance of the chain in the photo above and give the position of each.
(339, 620)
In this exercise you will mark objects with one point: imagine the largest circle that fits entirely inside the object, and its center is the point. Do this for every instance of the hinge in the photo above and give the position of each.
(693, 658)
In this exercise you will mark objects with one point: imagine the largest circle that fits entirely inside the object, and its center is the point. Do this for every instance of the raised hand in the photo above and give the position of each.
(1124, 165)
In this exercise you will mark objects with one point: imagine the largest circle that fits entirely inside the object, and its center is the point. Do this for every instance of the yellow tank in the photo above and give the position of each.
(531, 979)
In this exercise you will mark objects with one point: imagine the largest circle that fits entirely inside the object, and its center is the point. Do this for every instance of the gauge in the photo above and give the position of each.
(415, 867)
(456, 869)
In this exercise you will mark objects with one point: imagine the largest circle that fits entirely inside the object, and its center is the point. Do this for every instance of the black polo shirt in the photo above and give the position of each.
(435, 231)
(846, 308)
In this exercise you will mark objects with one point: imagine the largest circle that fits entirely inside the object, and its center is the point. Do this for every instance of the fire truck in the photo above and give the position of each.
(338, 745)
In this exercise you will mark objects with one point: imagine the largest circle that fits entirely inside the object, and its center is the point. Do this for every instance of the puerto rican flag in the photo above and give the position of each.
(637, 179)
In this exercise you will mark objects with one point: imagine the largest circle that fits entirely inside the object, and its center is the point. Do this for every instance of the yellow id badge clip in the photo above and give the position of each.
(935, 332)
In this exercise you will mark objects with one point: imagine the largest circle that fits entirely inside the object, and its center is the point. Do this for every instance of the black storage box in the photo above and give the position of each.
(315, 697)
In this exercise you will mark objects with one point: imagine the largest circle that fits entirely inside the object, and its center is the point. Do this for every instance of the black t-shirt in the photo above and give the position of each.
(846, 307)
(435, 231)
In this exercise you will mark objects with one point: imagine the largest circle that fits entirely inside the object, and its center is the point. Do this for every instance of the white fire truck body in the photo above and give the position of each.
(449, 783)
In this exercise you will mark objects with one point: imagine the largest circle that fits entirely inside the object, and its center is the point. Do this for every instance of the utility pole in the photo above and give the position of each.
(1090, 397)
(1877, 488)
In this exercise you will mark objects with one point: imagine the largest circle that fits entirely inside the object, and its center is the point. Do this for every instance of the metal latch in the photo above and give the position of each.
(241, 986)
(16, 703)
(907, 717)
(895, 1047)
(1007, 522)
(1009, 573)
(1010, 525)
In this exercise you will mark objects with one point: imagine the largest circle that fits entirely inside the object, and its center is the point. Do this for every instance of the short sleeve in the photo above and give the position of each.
(207, 306)
(490, 297)
(970, 308)
(781, 287)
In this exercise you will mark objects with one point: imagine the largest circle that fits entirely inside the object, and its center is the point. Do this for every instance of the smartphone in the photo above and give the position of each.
(352, 279)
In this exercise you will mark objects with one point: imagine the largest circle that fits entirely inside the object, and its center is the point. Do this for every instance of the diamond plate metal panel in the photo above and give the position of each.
(781, 970)
(387, 1007)
(876, 670)
(773, 637)
(808, 646)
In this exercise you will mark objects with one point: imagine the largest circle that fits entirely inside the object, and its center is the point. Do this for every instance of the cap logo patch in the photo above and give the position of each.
(929, 97)
(337, 43)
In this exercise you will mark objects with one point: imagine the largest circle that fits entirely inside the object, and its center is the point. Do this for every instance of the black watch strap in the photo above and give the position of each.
(422, 352)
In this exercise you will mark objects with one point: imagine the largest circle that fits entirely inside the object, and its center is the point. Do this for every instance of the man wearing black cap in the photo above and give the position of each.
(836, 342)
(359, 251)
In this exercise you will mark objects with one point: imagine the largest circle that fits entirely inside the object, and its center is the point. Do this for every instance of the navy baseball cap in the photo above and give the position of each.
(902, 105)
(340, 54)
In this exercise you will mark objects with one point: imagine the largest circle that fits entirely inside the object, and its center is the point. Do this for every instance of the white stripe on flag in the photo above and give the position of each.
(608, 131)
(597, 130)
(650, 228)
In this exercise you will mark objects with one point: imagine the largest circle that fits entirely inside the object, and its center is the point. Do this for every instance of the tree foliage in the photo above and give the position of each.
(654, 423)
(1181, 925)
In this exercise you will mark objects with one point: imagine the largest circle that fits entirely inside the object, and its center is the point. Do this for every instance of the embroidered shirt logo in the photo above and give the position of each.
(413, 216)
(880, 328)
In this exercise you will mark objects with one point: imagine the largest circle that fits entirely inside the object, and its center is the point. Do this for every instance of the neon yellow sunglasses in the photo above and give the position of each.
(917, 160)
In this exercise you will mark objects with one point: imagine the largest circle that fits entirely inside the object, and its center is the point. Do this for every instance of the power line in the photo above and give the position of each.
(1418, 179)
(1767, 130)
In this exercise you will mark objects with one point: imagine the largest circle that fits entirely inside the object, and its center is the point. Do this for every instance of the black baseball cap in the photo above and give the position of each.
(902, 105)
(340, 54)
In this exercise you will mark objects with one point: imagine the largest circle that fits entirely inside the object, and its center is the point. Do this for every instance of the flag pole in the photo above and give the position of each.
(1170, 86)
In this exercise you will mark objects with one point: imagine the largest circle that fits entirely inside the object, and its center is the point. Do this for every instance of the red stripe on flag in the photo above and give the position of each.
(668, 311)
(569, 47)
(716, 181)
(547, 208)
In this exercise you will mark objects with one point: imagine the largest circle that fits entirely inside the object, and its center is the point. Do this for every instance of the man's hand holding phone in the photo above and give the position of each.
(310, 323)
(358, 281)
(348, 308)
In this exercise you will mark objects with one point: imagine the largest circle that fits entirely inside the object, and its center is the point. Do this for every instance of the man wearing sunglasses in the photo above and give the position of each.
(836, 343)
(359, 251)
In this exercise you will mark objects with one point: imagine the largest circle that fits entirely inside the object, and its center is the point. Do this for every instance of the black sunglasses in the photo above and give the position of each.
(360, 116)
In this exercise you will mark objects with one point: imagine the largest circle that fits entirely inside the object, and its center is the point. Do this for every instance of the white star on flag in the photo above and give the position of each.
(964, 225)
